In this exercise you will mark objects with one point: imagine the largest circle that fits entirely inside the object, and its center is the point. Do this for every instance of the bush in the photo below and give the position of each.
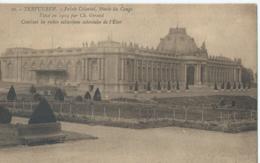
(43, 113)
(234, 85)
(177, 85)
(233, 103)
(32, 89)
(159, 85)
(136, 86)
(187, 85)
(36, 97)
(223, 85)
(59, 96)
(87, 96)
(244, 85)
(249, 85)
(5, 115)
(216, 86)
(79, 99)
(11, 96)
(169, 85)
(97, 95)
(45, 92)
(222, 102)
(228, 85)
(149, 86)
(239, 86)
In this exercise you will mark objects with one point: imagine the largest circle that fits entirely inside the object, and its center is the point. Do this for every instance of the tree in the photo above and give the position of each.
(11, 96)
(97, 95)
(43, 113)
(177, 85)
(159, 85)
(87, 96)
(215, 86)
(149, 86)
(79, 99)
(136, 86)
(244, 85)
(233, 103)
(169, 86)
(223, 85)
(247, 75)
(187, 85)
(59, 96)
(228, 85)
(32, 89)
(249, 85)
(5, 115)
(239, 86)
(37, 97)
(234, 85)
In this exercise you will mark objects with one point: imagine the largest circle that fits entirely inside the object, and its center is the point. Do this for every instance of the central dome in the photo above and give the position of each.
(178, 42)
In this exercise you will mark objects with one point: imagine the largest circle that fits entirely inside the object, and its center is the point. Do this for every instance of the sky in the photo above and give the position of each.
(228, 30)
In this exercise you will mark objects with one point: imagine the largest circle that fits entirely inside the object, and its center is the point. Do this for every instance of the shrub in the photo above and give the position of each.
(45, 92)
(233, 103)
(43, 113)
(97, 95)
(79, 99)
(59, 96)
(11, 96)
(64, 92)
(223, 85)
(216, 86)
(136, 86)
(228, 85)
(244, 85)
(249, 85)
(169, 85)
(5, 115)
(149, 86)
(36, 97)
(87, 96)
(234, 85)
(222, 102)
(177, 85)
(32, 89)
(187, 85)
(159, 85)
(239, 86)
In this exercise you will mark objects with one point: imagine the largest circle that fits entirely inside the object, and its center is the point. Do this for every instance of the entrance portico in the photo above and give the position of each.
(195, 74)
(50, 76)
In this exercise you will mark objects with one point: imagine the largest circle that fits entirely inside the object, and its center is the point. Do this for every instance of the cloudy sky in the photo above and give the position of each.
(229, 30)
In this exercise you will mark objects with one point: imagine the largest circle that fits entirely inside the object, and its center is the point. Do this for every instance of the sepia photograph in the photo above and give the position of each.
(128, 83)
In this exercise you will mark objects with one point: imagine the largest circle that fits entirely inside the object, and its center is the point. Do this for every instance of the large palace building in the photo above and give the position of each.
(118, 67)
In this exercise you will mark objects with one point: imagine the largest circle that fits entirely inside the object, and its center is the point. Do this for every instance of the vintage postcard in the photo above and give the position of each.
(132, 83)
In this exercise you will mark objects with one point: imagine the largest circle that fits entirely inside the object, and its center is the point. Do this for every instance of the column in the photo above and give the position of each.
(122, 68)
(134, 71)
(185, 73)
(239, 74)
(102, 69)
(147, 75)
(198, 73)
(234, 75)
(88, 68)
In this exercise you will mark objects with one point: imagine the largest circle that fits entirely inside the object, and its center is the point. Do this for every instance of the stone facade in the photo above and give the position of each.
(117, 67)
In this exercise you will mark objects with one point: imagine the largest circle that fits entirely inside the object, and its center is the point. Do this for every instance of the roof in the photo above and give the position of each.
(177, 41)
